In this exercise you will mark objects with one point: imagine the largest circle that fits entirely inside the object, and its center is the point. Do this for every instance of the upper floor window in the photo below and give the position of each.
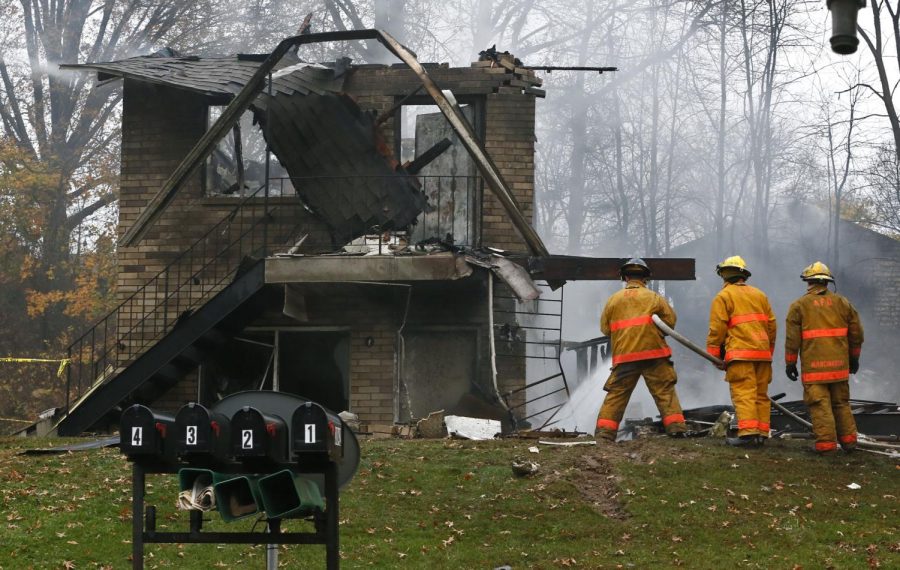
(449, 179)
(237, 165)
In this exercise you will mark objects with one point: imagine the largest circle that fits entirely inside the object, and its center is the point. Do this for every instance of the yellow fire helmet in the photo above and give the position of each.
(817, 271)
(734, 263)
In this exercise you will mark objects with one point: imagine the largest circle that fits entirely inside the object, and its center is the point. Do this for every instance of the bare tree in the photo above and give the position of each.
(61, 121)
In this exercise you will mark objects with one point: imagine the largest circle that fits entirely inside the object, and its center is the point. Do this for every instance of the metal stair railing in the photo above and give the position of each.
(528, 344)
(155, 308)
(196, 274)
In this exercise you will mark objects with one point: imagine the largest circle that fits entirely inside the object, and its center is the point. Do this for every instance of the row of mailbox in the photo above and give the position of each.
(312, 433)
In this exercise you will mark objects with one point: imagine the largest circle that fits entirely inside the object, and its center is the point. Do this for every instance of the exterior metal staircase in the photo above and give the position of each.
(167, 327)
(528, 345)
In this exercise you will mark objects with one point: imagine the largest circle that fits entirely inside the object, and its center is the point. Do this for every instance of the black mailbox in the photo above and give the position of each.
(315, 430)
(145, 433)
(198, 431)
(256, 435)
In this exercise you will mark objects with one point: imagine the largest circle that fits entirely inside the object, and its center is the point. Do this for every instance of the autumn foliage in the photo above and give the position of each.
(42, 307)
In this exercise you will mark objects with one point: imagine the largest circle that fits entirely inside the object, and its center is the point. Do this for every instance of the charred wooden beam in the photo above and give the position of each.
(552, 68)
(382, 118)
(571, 268)
(428, 156)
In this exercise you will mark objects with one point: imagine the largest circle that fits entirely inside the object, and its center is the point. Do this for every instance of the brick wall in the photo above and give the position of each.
(509, 139)
(508, 116)
(161, 125)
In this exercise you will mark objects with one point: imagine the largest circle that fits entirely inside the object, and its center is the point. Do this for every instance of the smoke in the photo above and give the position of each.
(797, 237)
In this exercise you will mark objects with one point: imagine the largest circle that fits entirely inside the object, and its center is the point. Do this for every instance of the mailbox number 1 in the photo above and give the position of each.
(137, 436)
(310, 433)
(247, 439)
(190, 437)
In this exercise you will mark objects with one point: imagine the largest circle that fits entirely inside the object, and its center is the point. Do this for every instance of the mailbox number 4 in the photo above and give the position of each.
(247, 439)
(309, 433)
(137, 436)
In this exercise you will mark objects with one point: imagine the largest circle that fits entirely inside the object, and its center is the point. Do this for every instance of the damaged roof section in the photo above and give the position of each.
(248, 94)
(329, 146)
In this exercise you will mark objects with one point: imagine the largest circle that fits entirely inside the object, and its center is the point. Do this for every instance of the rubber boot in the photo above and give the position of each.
(742, 441)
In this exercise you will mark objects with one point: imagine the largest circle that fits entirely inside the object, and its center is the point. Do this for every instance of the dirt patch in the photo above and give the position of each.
(595, 480)
(591, 469)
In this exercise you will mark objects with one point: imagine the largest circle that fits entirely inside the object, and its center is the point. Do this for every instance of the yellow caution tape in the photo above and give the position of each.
(16, 420)
(63, 363)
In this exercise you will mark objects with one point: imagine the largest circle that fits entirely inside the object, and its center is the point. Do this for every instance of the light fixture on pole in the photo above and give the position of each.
(843, 24)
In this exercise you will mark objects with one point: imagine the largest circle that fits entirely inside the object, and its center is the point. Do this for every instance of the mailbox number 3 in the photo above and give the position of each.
(309, 433)
(190, 437)
(247, 439)
(137, 436)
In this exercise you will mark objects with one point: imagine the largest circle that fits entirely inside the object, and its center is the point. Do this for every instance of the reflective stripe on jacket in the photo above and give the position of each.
(741, 319)
(824, 330)
(627, 320)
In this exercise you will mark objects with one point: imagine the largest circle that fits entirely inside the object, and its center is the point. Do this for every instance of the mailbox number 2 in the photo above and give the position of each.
(137, 436)
(190, 436)
(309, 433)
(247, 439)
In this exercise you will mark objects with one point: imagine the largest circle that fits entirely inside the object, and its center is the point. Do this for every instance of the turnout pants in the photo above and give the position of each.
(659, 374)
(749, 383)
(829, 410)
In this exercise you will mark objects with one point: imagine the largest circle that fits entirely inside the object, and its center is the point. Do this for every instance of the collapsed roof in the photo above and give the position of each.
(249, 92)
(329, 146)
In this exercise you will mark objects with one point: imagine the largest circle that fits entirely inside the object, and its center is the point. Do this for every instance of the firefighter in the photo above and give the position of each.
(824, 330)
(742, 324)
(638, 349)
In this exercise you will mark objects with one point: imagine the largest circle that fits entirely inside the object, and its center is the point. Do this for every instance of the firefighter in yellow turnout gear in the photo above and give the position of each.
(638, 349)
(824, 330)
(742, 322)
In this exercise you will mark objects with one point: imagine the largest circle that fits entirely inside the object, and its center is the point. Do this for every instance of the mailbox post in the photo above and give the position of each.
(285, 452)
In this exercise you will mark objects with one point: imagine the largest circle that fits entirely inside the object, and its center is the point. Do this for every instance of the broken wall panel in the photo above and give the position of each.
(449, 182)
(328, 146)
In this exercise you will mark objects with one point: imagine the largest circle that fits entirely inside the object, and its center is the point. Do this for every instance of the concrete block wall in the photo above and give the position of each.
(886, 306)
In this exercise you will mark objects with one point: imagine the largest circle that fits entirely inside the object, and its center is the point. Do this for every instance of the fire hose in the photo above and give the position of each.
(863, 440)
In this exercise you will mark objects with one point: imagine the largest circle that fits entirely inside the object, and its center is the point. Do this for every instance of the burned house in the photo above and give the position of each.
(379, 258)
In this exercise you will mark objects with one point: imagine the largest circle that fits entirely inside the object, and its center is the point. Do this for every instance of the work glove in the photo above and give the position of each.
(854, 365)
(791, 371)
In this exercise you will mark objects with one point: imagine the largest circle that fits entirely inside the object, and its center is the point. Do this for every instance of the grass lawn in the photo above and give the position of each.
(650, 503)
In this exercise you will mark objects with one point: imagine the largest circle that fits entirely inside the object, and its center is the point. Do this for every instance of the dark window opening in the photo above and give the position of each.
(311, 364)
(237, 165)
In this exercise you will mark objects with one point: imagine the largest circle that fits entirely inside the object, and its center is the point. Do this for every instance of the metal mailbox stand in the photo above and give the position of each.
(143, 522)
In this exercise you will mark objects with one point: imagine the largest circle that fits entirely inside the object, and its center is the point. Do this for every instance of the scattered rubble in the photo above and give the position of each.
(432, 427)
(472, 428)
(524, 468)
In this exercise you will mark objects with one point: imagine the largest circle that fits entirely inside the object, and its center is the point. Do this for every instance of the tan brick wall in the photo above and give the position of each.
(161, 125)
(509, 139)
(372, 372)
